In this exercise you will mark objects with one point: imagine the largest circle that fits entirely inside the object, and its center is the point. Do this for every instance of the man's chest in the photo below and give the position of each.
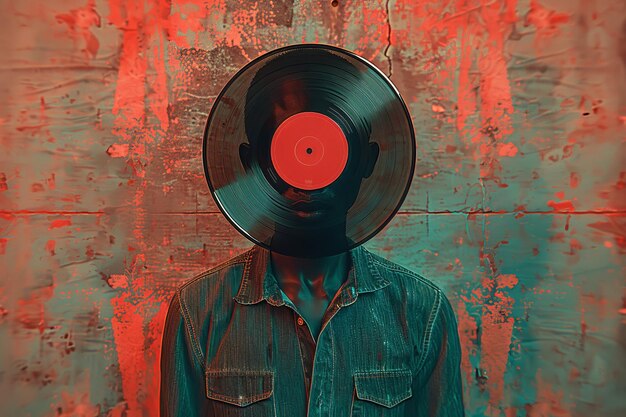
(364, 356)
(312, 313)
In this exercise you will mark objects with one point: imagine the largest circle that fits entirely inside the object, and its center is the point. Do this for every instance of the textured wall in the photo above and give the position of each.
(517, 208)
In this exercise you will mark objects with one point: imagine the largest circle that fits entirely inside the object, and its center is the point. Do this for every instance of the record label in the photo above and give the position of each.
(309, 150)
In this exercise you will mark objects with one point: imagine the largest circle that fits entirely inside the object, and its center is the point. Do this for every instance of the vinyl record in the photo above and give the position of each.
(309, 150)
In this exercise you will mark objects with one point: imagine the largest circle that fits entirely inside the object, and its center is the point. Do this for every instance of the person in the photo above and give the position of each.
(285, 333)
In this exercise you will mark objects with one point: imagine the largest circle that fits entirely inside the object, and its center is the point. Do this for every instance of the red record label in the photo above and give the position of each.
(309, 150)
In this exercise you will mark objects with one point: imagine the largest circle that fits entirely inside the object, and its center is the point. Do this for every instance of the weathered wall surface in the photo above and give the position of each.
(517, 208)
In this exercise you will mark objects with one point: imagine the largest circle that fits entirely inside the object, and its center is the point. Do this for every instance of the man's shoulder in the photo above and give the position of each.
(425, 297)
(402, 275)
(215, 276)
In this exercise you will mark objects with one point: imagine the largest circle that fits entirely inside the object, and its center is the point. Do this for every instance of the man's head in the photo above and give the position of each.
(308, 80)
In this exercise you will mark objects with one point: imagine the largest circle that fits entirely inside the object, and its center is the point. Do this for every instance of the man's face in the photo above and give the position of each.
(334, 200)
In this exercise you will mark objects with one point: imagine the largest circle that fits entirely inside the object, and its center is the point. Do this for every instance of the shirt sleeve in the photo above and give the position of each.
(439, 382)
(182, 382)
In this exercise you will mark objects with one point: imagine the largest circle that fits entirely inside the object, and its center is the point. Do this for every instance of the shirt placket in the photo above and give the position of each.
(345, 296)
(309, 348)
(278, 298)
(307, 351)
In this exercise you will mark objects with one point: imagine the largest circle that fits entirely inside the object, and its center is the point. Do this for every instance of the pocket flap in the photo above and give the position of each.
(239, 387)
(384, 387)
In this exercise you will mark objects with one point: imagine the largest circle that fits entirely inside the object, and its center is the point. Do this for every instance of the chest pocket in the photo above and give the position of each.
(381, 392)
(241, 393)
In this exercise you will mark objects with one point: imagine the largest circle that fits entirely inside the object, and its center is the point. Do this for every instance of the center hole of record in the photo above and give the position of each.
(309, 151)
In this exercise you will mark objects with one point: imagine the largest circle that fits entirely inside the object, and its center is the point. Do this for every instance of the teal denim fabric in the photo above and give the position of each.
(233, 346)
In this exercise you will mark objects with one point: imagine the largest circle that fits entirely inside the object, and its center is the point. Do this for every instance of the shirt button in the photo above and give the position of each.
(300, 321)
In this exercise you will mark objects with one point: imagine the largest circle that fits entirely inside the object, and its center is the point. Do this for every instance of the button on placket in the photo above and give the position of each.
(307, 346)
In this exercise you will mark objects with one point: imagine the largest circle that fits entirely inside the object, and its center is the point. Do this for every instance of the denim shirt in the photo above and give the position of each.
(235, 345)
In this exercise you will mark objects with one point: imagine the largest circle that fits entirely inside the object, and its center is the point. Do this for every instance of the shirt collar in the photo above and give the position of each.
(258, 283)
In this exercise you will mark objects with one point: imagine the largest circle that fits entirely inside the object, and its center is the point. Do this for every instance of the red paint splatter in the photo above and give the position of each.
(549, 402)
(131, 78)
(3, 182)
(118, 150)
(545, 20)
(77, 403)
(566, 205)
(51, 181)
(141, 93)
(468, 335)
(31, 311)
(50, 245)
(79, 22)
(37, 187)
(59, 223)
(153, 336)
(496, 332)
(612, 228)
(614, 192)
(127, 325)
(138, 351)
(437, 108)
(118, 281)
(483, 81)
(507, 149)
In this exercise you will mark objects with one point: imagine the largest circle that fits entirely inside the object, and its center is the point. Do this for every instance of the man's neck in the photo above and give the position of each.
(320, 277)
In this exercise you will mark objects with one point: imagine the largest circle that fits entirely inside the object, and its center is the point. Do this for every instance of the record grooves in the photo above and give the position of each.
(309, 150)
